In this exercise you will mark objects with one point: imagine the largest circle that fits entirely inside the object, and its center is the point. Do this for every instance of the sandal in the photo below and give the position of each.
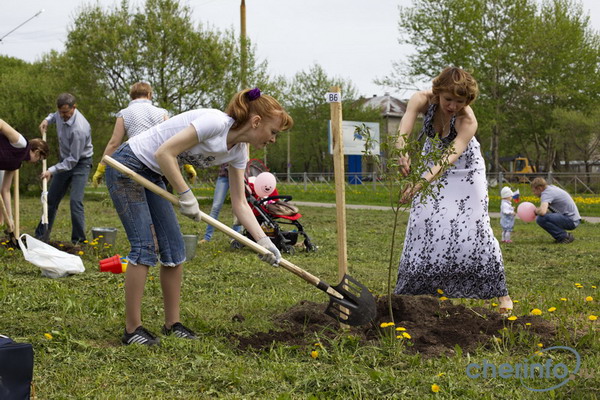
(505, 312)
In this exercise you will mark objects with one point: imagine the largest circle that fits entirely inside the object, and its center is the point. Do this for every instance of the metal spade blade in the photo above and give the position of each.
(358, 305)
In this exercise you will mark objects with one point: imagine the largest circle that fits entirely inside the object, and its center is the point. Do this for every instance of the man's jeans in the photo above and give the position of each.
(556, 224)
(76, 179)
(221, 188)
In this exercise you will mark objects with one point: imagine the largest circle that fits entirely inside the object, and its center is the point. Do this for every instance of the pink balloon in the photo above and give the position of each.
(264, 184)
(526, 211)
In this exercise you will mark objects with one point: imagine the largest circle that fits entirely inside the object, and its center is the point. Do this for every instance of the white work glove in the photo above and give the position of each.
(274, 256)
(188, 205)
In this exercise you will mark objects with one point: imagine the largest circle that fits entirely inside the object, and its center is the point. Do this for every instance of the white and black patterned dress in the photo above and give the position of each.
(449, 242)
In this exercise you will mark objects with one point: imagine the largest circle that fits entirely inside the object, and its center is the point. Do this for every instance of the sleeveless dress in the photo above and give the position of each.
(449, 243)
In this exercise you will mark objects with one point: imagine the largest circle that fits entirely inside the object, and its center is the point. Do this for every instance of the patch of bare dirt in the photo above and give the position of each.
(435, 327)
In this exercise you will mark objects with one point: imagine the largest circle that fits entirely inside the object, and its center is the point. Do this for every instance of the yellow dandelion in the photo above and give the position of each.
(314, 354)
(536, 311)
(61, 245)
(435, 388)
(540, 345)
(577, 284)
(593, 317)
(443, 298)
(589, 298)
(539, 353)
(386, 324)
(512, 318)
(100, 236)
(552, 309)
(80, 252)
(401, 329)
(494, 305)
(318, 344)
(406, 335)
(440, 291)
(10, 249)
(593, 287)
(515, 301)
(528, 324)
(48, 336)
(85, 241)
(563, 299)
(441, 374)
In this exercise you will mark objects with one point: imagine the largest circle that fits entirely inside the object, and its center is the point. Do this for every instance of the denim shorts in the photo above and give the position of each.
(149, 220)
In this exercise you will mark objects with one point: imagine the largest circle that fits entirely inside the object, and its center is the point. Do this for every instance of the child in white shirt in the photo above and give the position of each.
(507, 214)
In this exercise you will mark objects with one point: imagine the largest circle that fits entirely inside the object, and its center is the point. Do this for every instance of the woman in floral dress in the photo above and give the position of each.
(449, 244)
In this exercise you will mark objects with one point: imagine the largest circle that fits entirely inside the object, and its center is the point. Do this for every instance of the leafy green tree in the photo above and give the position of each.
(515, 50)
(188, 66)
(585, 128)
(561, 74)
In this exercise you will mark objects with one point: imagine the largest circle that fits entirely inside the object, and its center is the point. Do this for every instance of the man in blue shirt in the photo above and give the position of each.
(557, 212)
(73, 169)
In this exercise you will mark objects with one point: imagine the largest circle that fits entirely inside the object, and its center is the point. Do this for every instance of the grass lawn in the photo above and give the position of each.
(75, 323)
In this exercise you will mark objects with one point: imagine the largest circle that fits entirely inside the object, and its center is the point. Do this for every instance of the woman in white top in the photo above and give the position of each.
(202, 138)
(139, 116)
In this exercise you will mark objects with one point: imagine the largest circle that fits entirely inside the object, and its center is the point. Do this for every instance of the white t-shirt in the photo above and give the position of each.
(21, 143)
(211, 127)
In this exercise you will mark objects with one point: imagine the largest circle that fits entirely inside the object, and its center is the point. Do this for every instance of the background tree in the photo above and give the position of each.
(582, 133)
(506, 45)
(562, 74)
(189, 67)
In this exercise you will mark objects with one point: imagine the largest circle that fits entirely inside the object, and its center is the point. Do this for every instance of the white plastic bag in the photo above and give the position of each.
(53, 262)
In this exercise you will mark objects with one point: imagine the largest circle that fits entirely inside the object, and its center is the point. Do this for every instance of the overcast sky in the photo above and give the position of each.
(352, 39)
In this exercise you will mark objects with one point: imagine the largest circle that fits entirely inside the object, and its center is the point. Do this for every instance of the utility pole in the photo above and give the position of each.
(38, 13)
(243, 46)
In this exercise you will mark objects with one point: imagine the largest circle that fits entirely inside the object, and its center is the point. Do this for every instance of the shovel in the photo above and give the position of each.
(350, 302)
(11, 226)
(44, 225)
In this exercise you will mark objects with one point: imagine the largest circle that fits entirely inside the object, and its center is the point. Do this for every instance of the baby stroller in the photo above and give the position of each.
(271, 212)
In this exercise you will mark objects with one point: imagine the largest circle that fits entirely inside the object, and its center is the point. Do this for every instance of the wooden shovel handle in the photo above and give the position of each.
(9, 221)
(44, 188)
(221, 227)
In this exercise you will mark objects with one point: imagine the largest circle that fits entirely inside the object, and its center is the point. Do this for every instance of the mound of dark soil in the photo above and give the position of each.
(67, 247)
(435, 327)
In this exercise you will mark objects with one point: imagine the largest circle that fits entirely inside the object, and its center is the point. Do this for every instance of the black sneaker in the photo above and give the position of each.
(567, 239)
(141, 336)
(235, 245)
(179, 331)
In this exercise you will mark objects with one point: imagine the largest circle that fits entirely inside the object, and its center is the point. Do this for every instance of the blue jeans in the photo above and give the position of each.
(556, 224)
(149, 220)
(221, 188)
(76, 179)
